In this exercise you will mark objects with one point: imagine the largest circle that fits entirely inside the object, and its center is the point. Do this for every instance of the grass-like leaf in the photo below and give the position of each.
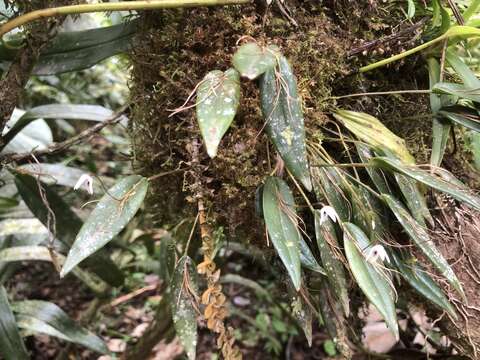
(281, 221)
(453, 187)
(218, 97)
(113, 212)
(373, 283)
(183, 290)
(420, 237)
(307, 259)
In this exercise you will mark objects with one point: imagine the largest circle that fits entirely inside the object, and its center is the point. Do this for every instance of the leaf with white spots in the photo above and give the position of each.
(112, 213)
(281, 221)
(420, 237)
(252, 60)
(218, 97)
(327, 241)
(374, 284)
(452, 186)
(282, 110)
(183, 290)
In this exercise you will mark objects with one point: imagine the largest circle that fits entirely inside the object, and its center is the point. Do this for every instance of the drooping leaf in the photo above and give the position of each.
(454, 188)
(302, 311)
(370, 130)
(420, 237)
(252, 60)
(59, 174)
(51, 315)
(41, 253)
(58, 111)
(218, 97)
(166, 255)
(67, 225)
(327, 241)
(307, 259)
(373, 283)
(281, 221)
(282, 111)
(11, 344)
(419, 279)
(112, 213)
(440, 127)
(184, 287)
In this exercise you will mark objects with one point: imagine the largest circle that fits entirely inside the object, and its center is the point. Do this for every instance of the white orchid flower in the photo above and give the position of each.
(87, 180)
(377, 252)
(328, 212)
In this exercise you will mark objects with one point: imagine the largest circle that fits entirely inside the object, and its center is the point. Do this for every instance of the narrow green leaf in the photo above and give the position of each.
(112, 213)
(51, 315)
(281, 220)
(420, 237)
(67, 225)
(282, 111)
(463, 116)
(58, 111)
(184, 287)
(327, 241)
(468, 76)
(31, 326)
(419, 279)
(411, 9)
(371, 130)
(252, 60)
(218, 97)
(307, 259)
(454, 188)
(373, 284)
(302, 312)
(377, 176)
(440, 127)
(11, 344)
(459, 90)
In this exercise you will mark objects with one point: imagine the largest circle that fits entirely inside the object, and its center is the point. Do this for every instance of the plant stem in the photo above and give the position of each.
(118, 6)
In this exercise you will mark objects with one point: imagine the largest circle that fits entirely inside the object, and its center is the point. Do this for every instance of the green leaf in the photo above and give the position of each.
(468, 76)
(113, 212)
(252, 60)
(58, 111)
(377, 176)
(218, 97)
(327, 241)
(41, 253)
(459, 90)
(374, 284)
(281, 221)
(411, 9)
(184, 287)
(78, 50)
(67, 225)
(59, 174)
(282, 111)
(7, 203)
(302, 312)
(11, 344)
(420, 237)
(307, 259)
(329, 348)
(51, 315)
(453, 187)
(440, 127)
(419, 279)
(371, 130)
(462, 115)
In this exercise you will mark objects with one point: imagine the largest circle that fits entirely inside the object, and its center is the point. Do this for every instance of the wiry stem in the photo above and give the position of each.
(118, 6)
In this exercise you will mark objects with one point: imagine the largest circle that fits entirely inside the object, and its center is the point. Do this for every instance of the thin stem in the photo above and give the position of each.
(350, 165)
(107, 7)
(428, 91)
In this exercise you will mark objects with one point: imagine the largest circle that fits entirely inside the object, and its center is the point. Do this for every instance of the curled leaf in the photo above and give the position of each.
(218, 97)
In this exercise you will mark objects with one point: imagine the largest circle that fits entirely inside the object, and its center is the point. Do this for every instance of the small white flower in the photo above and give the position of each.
(377, 252)
(88, 180)
(328, 211)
